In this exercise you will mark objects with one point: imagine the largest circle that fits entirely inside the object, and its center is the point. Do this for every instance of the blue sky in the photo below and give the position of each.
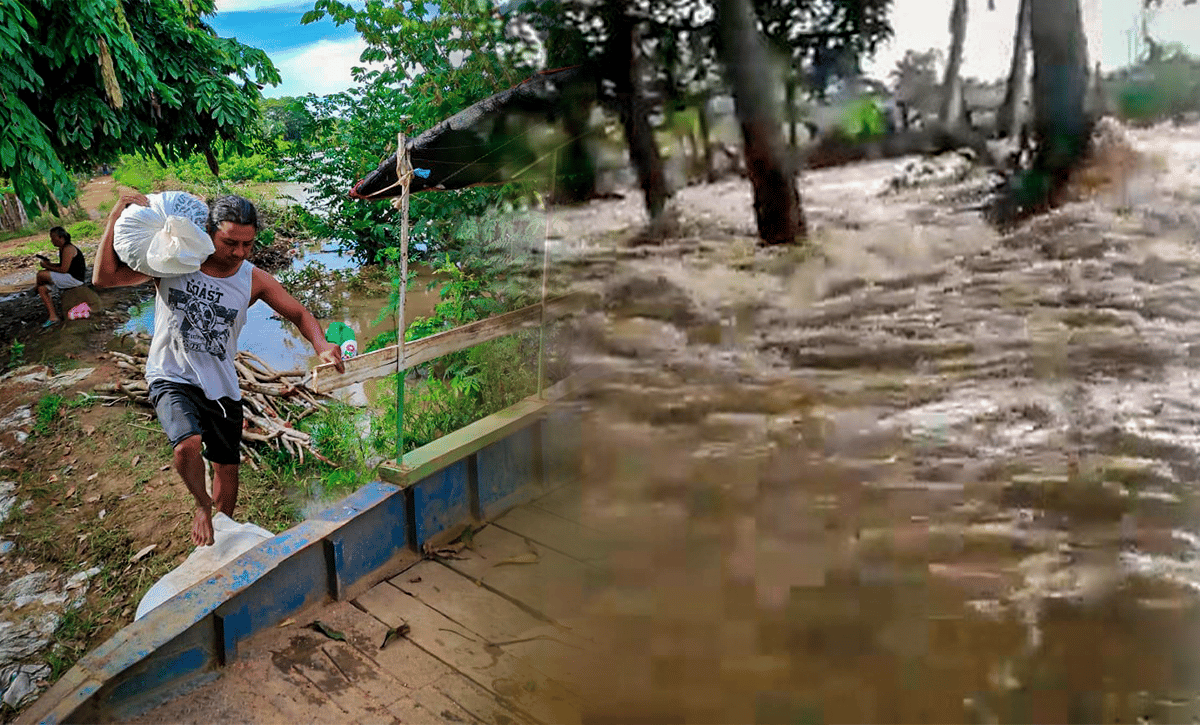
(312, 58)
(317, 58)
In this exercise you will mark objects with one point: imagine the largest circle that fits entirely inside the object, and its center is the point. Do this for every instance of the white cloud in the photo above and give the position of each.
(240, 6)
(321, 68)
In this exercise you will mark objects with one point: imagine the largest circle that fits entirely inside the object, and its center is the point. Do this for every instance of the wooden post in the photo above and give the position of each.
(545, 273)
(404, 174)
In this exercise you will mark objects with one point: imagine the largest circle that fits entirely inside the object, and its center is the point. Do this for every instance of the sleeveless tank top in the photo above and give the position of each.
(197, 319)
(78, 268)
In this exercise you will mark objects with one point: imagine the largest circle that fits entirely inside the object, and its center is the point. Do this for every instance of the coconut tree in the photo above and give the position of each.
(952, 99)
(1013, 112)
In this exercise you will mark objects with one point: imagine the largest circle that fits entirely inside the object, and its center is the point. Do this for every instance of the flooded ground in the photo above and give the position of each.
(920, 472)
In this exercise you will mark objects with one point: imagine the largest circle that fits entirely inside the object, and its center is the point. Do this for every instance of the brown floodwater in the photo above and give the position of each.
(926, 473)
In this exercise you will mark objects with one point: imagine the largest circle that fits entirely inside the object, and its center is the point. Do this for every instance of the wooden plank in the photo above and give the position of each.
(429, 705)
(482, 612)
(519, 686)
(558, 654)
(295, 698)
(454, 699)
(326, 378)
(553, 586)
(228, 699)
(401, 661)
(318, 669)
(568, 537)
(478, 701)
(565, 502)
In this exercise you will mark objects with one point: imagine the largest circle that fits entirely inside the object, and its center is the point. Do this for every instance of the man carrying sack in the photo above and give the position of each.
(197, 318)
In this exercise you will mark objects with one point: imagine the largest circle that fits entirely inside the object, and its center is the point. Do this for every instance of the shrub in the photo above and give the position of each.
(84, 230)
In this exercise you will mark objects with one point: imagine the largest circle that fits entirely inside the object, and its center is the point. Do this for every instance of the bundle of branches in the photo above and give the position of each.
(273, 402)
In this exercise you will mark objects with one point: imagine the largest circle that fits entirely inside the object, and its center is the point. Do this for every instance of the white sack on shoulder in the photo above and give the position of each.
(165, 239)
(180, 247)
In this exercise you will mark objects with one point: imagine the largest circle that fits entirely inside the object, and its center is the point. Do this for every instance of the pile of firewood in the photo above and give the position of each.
(273, 402)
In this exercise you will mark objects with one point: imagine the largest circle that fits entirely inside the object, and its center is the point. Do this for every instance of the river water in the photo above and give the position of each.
(920, 472)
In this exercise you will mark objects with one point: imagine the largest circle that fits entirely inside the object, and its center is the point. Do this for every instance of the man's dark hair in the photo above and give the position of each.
(62, 233)
(231, 208)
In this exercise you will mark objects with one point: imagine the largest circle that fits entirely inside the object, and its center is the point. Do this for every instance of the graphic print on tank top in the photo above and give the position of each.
(204, 324)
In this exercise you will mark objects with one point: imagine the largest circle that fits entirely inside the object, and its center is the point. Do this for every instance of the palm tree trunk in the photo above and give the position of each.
(1060, 123)
(952, 98)
(1013, 111)
(777, 206)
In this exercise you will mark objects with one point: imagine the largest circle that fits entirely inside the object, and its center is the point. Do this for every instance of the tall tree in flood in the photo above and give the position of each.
(623, 61)
(1013, 112)
(1060, 79)
(952, 99)
(777, 207)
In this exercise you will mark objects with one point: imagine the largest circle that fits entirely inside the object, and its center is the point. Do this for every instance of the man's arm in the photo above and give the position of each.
(267, 288)
(108, 270)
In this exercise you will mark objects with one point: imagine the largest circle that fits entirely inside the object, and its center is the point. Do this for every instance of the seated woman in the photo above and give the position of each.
(69, 272)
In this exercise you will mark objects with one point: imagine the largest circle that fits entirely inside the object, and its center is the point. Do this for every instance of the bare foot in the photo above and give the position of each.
(202, 527)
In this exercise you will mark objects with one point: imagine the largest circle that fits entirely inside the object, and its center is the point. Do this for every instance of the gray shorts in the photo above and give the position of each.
(184, 411)
(64, 281)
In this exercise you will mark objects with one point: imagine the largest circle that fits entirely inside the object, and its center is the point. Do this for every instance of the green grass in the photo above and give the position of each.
(46, 413)
(43, 223)
(16, 354)
(41, 246)
(263, 496)
(87, 229)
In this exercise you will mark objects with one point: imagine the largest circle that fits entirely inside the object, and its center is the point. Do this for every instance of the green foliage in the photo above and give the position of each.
(1159, 89)
(16, 354)
(339, 433)
(864, 119)
(45, 414)
(915, 80)
(84, 230)
(42, 223)
(490, 377)
(88, 80)
(147, 174)
(285, 119)
(435, 63)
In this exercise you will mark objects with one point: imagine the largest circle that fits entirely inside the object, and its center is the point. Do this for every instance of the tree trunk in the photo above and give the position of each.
(789, 99)
(577, 170)
(952, 93)
(1013, 112)
(643, 149)
(710, 174)
(1060, 123)
(771, 171)
(1097, 103)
